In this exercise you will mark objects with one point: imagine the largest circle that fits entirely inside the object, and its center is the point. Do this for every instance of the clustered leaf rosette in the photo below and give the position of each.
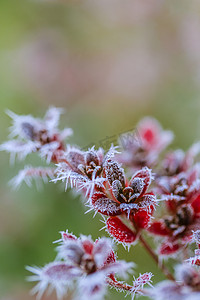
(186, 286)
(84, 170)
(86, 267)
(143, 147)
(37, 135)
(29, 135)
(126, 203)
(182, 210)
(178, 161)
(81, 265)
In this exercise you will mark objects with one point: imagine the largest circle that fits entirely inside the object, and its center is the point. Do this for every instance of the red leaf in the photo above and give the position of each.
(110, 258)
(144, 173)
(141, 218)
(104, 205)
(120, 231)
(169, 248)
(66, 236)
(158, 228)
(149, 132)
(196, 204)
(171, 205)
(88, 246)
(149, 135)
(75, 158)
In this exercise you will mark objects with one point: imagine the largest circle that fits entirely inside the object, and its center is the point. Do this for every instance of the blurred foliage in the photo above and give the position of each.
(109, 63)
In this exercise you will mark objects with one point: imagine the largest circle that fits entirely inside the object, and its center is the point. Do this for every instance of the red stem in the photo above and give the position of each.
(126, 287)
(155, 258)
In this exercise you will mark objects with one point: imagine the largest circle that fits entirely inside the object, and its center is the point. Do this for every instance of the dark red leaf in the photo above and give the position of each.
(141, 218)
(120, 231)
(105, 205)
(158, 228)
(145, 173)
(169, 248)
(110, 258)
(196, 204)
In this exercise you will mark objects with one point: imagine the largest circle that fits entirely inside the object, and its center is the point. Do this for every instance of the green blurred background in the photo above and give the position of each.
(109, 63)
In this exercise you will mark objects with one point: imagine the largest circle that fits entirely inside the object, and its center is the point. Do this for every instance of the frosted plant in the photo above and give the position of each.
(178, 161)
(29, 135)
(33, 134)
(84, 169)
(143, 147)
(87, 268)
(127, 199)
(182, 215)
(136, 192)
(186, 287)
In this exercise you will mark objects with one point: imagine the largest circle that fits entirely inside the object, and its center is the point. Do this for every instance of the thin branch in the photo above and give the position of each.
(123, 286)
(163, 268)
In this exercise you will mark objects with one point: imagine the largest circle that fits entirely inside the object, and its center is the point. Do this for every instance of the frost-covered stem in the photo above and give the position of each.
(123, 286)
(155, 257)
(119, 285)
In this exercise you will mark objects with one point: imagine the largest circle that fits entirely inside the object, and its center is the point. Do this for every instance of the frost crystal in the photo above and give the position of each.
(140, 282)
(121, 195)
(36, 135)
(82, 263)
(29, 173)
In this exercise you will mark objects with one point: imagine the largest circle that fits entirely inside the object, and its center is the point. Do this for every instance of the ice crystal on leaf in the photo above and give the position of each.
(55, 275)
(36, 135)
(31, 135)
(19, 148)
(91, 287)
(29, 173)
(128, 199)
(81, 263)
(196, 237)
(186, 286)
(195, 260)
(84, 169)
(182, 210)
(140, 282)
(117, 186)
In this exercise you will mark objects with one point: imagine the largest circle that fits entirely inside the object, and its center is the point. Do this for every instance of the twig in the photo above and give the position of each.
(155, 257)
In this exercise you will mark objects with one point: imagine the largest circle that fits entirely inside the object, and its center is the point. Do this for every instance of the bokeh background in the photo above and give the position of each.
(108, 63)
